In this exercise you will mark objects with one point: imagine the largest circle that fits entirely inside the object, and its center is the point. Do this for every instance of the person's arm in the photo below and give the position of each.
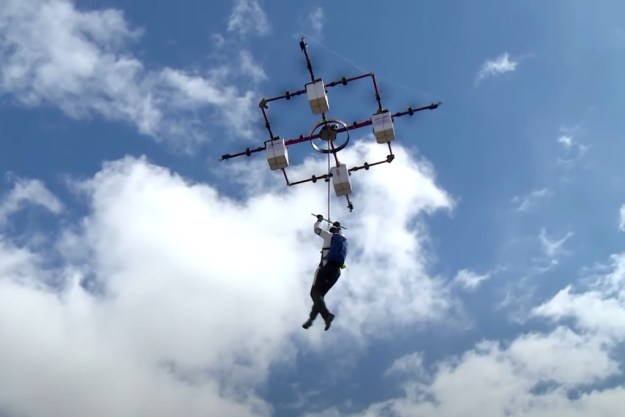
(319, 231)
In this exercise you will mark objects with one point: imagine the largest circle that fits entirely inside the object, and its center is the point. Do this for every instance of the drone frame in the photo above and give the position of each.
(325, 123)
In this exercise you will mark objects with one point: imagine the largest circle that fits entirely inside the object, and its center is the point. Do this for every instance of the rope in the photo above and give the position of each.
(329, 182)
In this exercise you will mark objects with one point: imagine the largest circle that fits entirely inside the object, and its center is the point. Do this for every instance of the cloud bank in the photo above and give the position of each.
(52, 54)
(142, 312)
(569, 370)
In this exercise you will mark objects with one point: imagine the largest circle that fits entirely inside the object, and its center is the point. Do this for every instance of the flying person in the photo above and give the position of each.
(333, 254)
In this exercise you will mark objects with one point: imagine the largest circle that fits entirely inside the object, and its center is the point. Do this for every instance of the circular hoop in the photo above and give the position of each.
(330, 141)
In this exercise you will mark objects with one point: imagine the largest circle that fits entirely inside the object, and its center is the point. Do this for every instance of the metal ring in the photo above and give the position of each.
(326, 123)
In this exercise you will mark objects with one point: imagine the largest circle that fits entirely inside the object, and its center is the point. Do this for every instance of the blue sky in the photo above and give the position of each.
(139, 275)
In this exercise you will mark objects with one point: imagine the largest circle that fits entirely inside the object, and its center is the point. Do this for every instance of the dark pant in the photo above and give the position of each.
(326, 278)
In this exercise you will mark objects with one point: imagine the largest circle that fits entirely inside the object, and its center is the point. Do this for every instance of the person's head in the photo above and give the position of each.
(336, 227)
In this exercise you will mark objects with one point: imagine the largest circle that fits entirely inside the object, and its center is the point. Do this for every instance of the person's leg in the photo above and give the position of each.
(314, 311)
(320, 289)
(316, 293)
(311, 318)
(332, 275)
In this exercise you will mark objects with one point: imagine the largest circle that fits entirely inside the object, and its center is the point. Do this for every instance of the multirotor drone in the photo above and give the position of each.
(326, 130)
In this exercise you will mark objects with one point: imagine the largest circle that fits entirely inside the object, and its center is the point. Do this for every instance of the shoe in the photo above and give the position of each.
(329, 320)
(307, 324)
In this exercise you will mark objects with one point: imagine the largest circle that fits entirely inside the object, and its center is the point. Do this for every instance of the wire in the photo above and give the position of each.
(404, 87)
(329, 181)
(358, 67)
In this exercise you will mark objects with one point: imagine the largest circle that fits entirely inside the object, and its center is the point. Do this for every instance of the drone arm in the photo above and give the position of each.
(344, 81)
(263, 105)
(314, 178)
(248, 152)
(350, 206)
(367, 165)
(389, 158)
(358, 125)
(302, 45)
(412, 111)
(286, 95)
(377, 93)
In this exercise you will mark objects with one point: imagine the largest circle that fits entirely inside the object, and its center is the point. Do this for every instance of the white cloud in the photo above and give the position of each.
(315, 19)
(621, 221)
(566, 141)
(569, 371)
(524, 203)
(411, 364)
(250, 67)
(248, 16)
(54, 54)
(574, 150)
(497, 66)
(391, 263)
(592, 310)
(530, 377)
(168, 265)
(553, 247)
(469, 279)
(600, 310)
(17, 264)
(24, 192)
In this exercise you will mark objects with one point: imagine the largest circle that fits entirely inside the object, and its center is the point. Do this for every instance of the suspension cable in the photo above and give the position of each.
(329, 180)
